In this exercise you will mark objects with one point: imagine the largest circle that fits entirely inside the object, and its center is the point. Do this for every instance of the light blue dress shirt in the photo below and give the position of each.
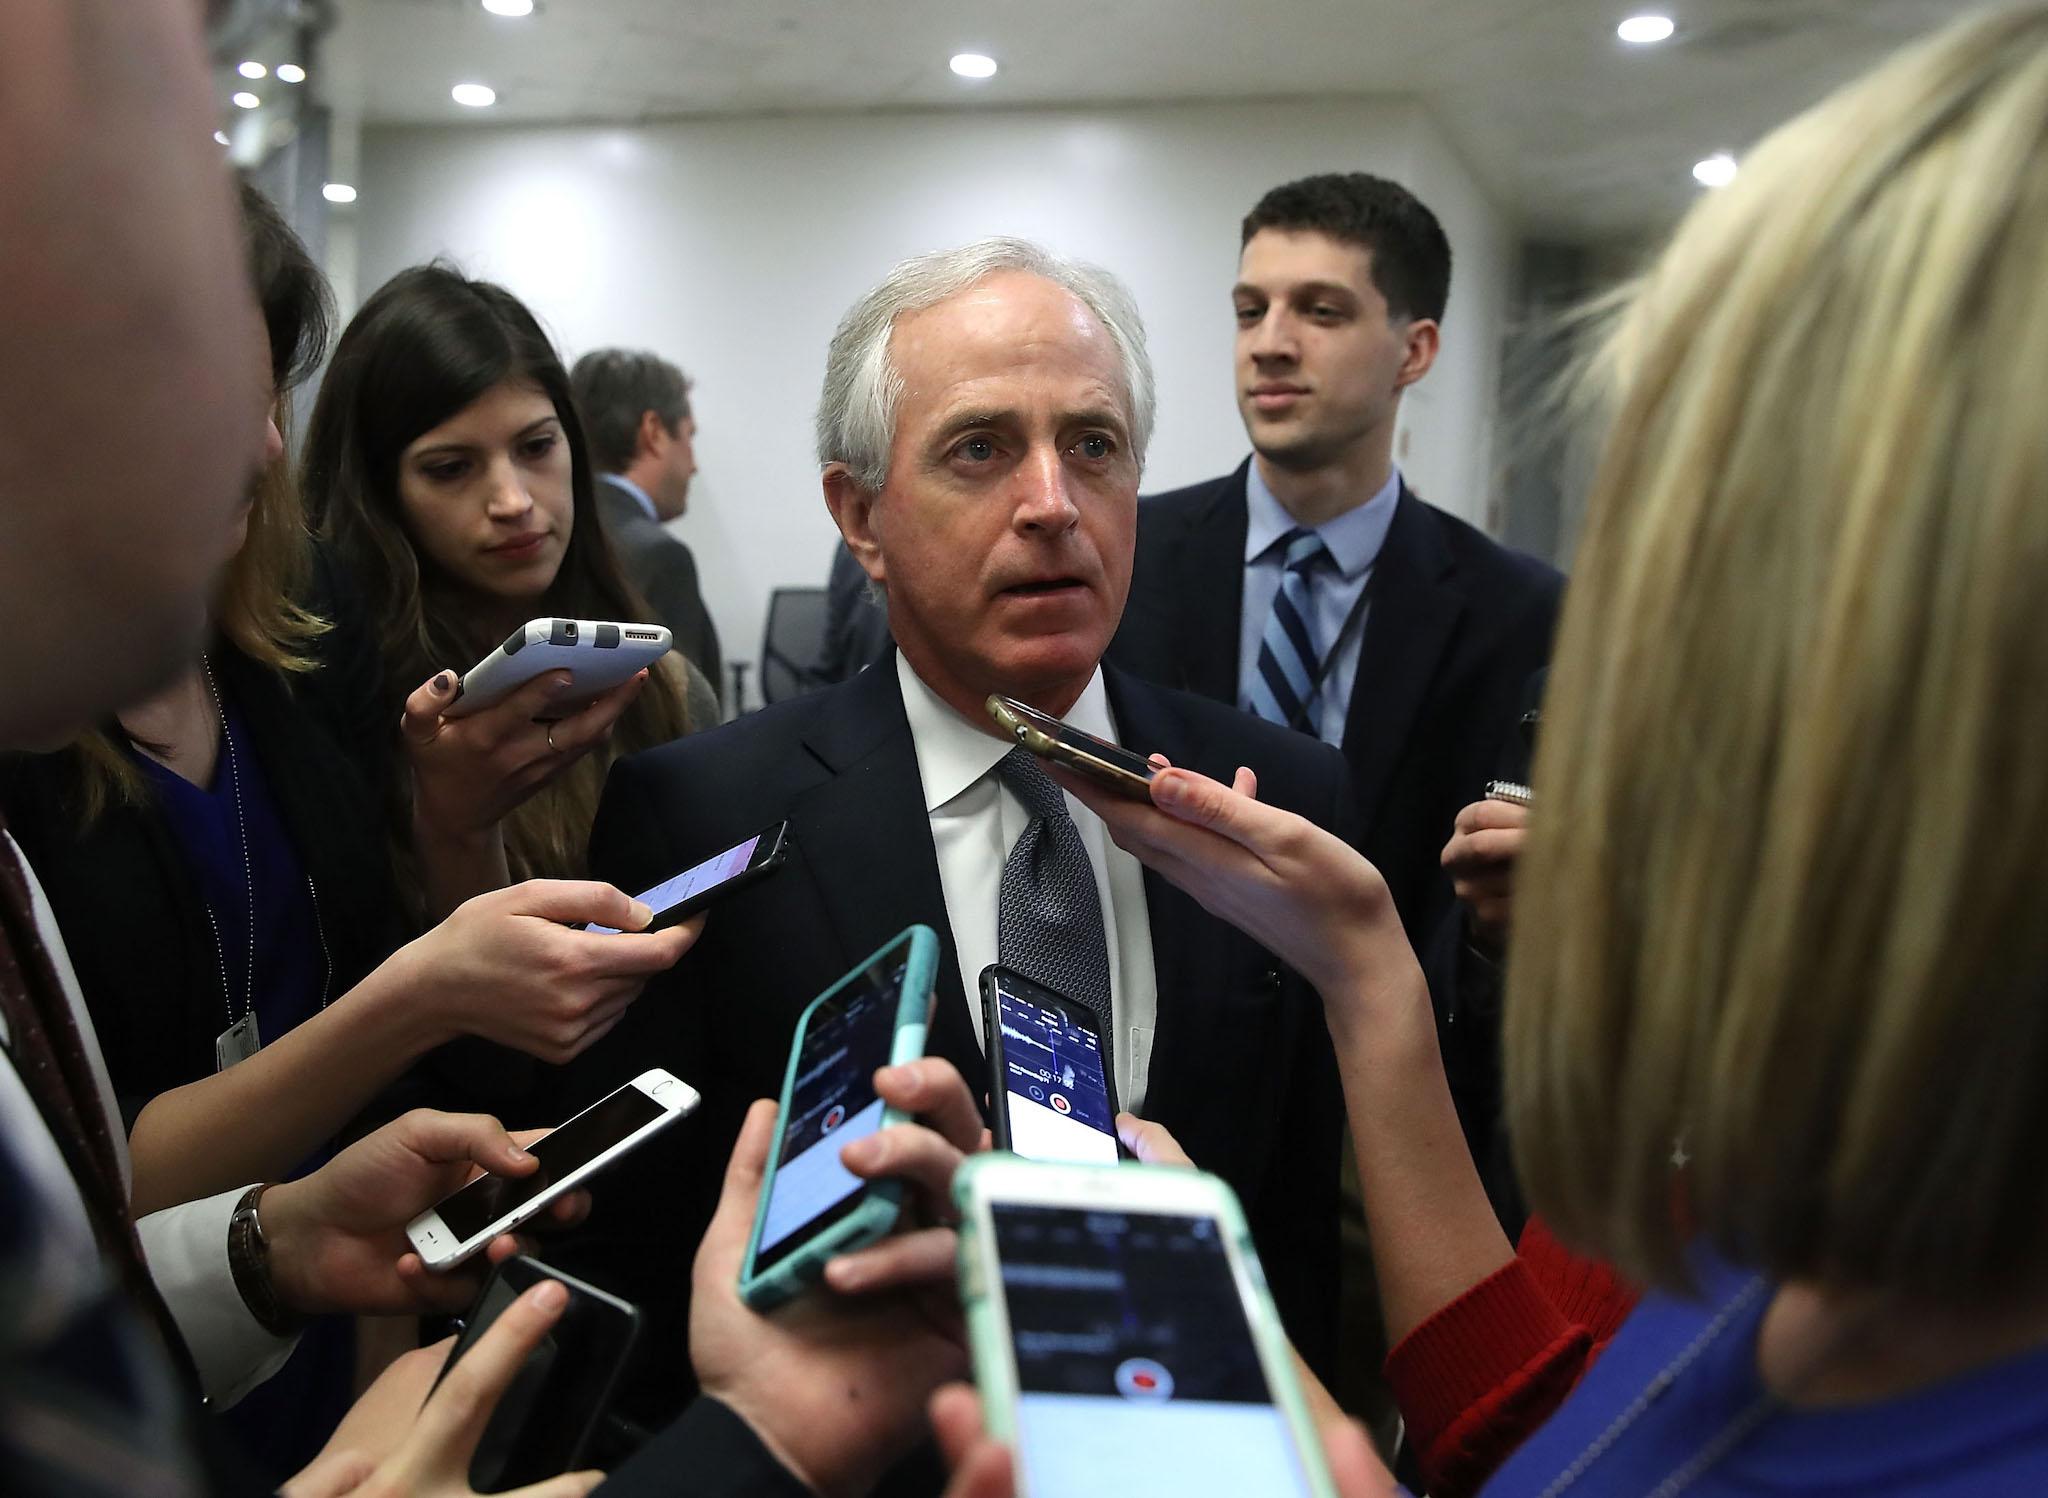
(1354, 539)
(635, 490)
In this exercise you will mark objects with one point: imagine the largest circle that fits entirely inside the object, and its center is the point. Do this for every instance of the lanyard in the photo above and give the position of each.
(1298, 720)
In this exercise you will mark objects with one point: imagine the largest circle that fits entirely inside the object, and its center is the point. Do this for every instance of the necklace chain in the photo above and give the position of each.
(227, 749)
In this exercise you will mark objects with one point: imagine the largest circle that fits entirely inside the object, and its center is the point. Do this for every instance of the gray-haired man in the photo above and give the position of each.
(981, 434)
(636, 414)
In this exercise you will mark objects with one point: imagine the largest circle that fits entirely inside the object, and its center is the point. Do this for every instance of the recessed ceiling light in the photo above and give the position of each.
(973, 65)
(252, 69)
(290, 72)
(338, 192)
(221, 136)
(509, 7)
(1645, 30)
(246, 101)
(1717, 170)
(475, 95)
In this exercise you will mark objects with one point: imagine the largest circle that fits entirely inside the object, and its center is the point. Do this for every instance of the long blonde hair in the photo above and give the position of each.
(1783, 901)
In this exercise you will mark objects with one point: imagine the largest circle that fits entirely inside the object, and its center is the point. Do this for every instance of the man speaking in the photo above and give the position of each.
(981, 434)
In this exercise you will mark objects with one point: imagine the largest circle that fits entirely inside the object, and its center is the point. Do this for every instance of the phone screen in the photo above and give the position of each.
(709, 874)
(832, 1104)
(575, 1144)
(1053, 1083)
(1136, 1368)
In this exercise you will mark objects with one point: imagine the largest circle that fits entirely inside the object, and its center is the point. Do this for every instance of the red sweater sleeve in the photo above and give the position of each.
(1476, 1378)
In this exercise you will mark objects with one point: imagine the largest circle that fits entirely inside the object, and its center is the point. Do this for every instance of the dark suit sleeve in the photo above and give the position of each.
(707, 1452)
(1295, 1214)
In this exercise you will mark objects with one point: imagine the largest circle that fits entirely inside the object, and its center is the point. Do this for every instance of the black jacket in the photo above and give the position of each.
(132, 916)
(1456, 625)
(1241, 1067)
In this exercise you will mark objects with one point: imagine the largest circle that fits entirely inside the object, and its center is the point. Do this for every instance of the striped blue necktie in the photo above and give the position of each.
(1286, 689)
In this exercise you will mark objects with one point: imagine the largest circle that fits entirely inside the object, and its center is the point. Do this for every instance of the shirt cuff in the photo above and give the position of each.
(186, 1247)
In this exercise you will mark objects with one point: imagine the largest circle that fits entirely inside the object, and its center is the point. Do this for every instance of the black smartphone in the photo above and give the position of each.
(544, 1422)
(676, 900)
(1111, 765)
(1052, 1094)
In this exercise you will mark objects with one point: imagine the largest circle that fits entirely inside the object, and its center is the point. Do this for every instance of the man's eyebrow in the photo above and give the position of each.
(1096, 416)
(973, 416)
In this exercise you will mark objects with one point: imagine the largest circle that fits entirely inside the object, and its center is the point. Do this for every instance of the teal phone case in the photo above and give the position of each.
(989, 1342)
(876, 1215)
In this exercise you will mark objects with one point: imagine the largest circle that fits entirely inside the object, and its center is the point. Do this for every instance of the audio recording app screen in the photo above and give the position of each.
(832, 1104)
(1136, 1369)
(1053, 1082)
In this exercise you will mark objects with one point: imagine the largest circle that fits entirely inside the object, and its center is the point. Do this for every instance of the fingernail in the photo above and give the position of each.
(519, 1154)
(1168, 789)
(844, 1274)
(549, 1295)
(641, 914)
(860, 1152)
(443, 681)
(895, 1076)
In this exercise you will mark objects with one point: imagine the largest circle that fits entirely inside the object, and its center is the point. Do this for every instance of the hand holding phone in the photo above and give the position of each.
(462, 1224)
(1110, 765)
(599, 654)
(813, 1207)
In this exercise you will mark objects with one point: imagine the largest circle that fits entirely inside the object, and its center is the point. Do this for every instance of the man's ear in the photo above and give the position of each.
(648, 440)
(853, 511)
(1418, 353)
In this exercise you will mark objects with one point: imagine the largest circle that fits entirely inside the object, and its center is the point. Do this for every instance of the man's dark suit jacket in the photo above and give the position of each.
(1241, 1067)
(1456, 625)
(665, 573)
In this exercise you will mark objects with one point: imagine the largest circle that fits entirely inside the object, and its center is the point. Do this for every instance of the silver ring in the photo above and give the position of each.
(551, 740)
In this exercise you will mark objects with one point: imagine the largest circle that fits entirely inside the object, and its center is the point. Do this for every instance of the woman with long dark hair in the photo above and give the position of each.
(447, 466)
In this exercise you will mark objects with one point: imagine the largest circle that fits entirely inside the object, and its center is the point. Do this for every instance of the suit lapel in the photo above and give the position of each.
(1416, 604)
(866, 841)
(1208, 575)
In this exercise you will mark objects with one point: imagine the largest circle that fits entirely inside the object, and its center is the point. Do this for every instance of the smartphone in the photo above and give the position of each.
(462, 1223)
(1107, 764)
(676, 900)
(545, 1421)
(1123, 1337)
(813, 1207)
(1051, 1088)
(601, 654)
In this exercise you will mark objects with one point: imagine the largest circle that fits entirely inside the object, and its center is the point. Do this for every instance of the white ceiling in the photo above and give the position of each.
(1575, 134)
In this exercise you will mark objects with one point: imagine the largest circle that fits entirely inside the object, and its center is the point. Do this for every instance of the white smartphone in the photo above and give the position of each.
(601, 654)
(1123, 1337)
(462, 1223)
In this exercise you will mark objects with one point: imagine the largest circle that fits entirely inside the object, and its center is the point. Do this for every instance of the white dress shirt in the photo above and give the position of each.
(1354, 539)
(975, 822)
(185, 1246)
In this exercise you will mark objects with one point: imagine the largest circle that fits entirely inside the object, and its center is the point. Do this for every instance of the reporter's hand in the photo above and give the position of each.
(337, 1237)
(432, 1461)
(982, 1468)
(468, 773)
(1297, 890)
(1149, 1141)
(507, 967)
(376, 1425)
(1480, 857)
(833, 1385)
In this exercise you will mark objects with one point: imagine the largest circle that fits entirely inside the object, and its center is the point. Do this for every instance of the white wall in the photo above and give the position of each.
(733, 247)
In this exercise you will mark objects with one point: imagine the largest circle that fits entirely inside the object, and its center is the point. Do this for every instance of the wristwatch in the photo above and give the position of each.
(249, 1263)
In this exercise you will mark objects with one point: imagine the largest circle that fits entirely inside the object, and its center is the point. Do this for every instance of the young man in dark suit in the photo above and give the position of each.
(636, 412)
(1314, 588)
(1400, 633)
(984, 418)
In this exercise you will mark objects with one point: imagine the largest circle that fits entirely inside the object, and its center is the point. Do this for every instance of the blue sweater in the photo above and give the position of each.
(1983, 1435)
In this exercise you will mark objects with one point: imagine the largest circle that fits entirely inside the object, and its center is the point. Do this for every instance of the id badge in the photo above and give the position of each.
(238, 1042)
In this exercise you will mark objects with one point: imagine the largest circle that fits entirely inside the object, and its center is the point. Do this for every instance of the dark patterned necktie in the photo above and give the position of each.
(1288, 687)
(1049, 919)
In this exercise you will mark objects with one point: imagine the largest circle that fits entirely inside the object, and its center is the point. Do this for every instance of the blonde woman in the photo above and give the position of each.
(1777, 1012)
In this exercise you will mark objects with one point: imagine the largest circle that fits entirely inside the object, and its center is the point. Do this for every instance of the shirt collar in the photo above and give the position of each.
(1354, 537)
(635, 490)
(954, 754)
